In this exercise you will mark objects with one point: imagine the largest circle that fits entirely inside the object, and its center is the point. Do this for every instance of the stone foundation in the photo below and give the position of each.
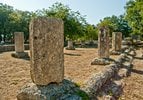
(70, 46)
(65, 90)
(20, 55)
(100, 61)
(115, 52)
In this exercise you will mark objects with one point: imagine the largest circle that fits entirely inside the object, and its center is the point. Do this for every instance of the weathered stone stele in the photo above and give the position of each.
(103, 43)
(116, 41)
(46, 50)
(103, 48)
(19, 42)
(70, 45)
(19, 46)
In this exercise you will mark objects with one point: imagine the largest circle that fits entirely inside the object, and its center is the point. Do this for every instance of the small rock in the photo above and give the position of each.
(108, 97)
(123, 72)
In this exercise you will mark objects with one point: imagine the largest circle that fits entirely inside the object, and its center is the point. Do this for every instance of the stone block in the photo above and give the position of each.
(46, 50)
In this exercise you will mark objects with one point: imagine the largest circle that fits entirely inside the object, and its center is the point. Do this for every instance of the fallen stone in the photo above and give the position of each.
(95, 82)
(108, 97)
(123, 72)
(100, 61)
(62, 91)
(115, 52)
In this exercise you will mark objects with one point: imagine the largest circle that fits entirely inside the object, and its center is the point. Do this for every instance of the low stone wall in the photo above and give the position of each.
(11, 47)
(96, 81)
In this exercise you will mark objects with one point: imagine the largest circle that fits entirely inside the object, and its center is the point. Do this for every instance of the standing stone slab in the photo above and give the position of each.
(19, 46)
(19, 41)
(70, 45)
(46, 49)
(103, 47)
(116, 42)
(103, 43)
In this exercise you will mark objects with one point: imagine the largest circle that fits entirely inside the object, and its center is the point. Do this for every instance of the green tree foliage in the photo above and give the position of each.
(134, 15)
(5, 10)
(116, 24)
(13, 20)
(91, 32)
(73, 21)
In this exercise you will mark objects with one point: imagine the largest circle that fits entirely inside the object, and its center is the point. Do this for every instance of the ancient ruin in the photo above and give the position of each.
(103, 47)
(47, 63)
(19, 45)
(116, 43)
(46, 49)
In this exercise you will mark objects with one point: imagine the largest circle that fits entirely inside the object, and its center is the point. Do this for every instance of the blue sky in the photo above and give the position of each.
(93, 9)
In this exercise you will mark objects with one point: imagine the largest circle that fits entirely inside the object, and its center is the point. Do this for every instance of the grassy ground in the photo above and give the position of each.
(14, 73)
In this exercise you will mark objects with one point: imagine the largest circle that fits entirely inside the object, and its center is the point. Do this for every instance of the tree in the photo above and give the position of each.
(116, 24)
(73, 21)
(13, 20)
(90, 32)
(5, 10)
(134, 15)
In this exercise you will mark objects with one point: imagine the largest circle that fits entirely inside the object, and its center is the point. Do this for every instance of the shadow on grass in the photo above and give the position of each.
(70, 54)
(137, 71)
(23, 56)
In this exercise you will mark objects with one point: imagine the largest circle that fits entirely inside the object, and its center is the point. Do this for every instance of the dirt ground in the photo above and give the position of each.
(14, 73)
(133, 89)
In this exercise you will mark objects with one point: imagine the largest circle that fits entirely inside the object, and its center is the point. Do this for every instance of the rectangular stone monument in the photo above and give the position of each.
(103, 43)
(47, 63)
(46, 50)
(19, 46)
(19, 41)
(103, 47)
(116, 42)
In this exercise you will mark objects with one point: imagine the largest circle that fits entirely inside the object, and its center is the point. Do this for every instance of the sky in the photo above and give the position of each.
(95, 10)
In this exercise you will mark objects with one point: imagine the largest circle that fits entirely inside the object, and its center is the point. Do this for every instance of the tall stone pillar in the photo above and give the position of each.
(116, 42)
(19, 46)
(103, 43)
(19, 41)
(47, 63)
(46, 49)
(70, 45)
(103, 47)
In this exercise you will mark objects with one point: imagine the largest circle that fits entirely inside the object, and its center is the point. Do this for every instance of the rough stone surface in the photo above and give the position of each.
(97, 80)
(123, 72)
(103, 48)
(108, 97)
(20, 55)
(19, 41)
(70, 45)
(99, 61)
(103, 43)
(66, 90)
(19, 46)
(115, 52)
(116, 41)
(46, 49)
(112, 89)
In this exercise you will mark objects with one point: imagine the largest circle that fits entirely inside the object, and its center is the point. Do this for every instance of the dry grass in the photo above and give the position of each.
(133, 89)
(14, 73)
